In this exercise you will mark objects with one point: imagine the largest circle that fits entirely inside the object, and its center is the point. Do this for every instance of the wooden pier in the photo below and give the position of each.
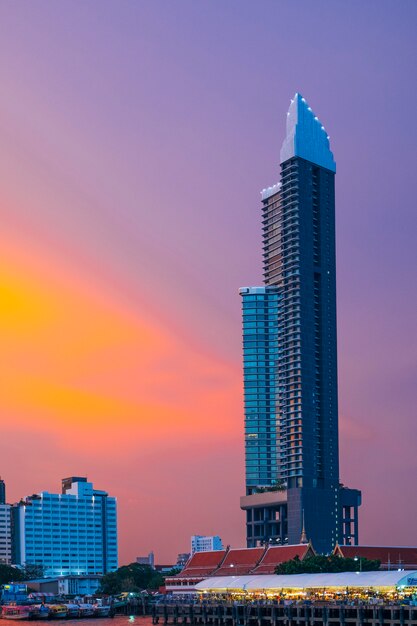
(234, 614)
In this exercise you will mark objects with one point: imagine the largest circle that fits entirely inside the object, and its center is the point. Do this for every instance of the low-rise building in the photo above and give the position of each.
(340, 584)
(390, 557)
(164, 568)
(234, 562)
(182, 559)
(205, 543)
(146, 560)
(66, 585)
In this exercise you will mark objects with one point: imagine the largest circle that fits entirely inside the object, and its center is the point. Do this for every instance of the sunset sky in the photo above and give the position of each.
(135, 138)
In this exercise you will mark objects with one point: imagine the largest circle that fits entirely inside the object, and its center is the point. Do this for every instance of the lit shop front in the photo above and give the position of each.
(367, 587)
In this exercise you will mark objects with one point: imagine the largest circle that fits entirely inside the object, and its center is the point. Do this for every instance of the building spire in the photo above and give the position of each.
(303, 538)
(306, 137)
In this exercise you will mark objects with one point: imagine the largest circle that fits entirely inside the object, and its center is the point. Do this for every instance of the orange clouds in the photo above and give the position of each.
(75, 360)
(90, 385)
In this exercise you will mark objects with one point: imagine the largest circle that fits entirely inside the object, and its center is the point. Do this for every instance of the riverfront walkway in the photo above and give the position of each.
(268, 614)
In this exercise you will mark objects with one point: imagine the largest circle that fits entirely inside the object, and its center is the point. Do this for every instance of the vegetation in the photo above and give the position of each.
(31, 572)
(326, 564)
(133, 577)
(10, 574)
(173, 572)
(280, 485)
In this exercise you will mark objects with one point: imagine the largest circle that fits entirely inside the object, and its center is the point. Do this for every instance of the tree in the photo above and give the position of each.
(326, 564)
(111, 584)
(279, 485)
(172, 572)
(9, 574)
(133, 577)
(31, 572)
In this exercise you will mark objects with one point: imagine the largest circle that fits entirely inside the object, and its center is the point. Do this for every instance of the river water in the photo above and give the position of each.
(118, 620)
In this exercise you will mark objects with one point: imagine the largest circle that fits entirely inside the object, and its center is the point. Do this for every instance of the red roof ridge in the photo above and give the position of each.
(280, 553)
(240, 568)
(287, 545)
(246, 548)
(362, 545)
(223, 559)
(213, 573)
(261, 559)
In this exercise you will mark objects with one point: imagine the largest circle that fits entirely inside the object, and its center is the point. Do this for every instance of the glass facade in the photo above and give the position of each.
(70, 533)
(5, 534)
(205, 543)
(290, 348)
(260, 357)
(299, 258)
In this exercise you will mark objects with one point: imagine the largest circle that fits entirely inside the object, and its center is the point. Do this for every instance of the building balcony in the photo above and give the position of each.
(260, 500)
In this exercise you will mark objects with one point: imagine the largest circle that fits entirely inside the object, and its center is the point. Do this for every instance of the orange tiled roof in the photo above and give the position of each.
(278, 554)
(202, 564)
(206, 559)
(239, 562)
(395, 557)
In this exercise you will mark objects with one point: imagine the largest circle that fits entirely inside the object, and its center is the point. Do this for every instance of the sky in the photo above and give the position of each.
(135, 138)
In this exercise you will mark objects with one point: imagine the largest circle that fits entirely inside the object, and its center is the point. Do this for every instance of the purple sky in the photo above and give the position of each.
(134, 140)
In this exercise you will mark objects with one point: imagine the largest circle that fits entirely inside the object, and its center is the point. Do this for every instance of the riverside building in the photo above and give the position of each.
(290, 355)
(71, 533)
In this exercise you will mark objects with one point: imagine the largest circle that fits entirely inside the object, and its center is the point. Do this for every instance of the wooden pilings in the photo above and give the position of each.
(274, 614)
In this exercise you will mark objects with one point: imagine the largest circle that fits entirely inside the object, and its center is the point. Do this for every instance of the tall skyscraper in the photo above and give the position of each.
(5, 527)
(2, 491)
(73, 532)
(290, 354)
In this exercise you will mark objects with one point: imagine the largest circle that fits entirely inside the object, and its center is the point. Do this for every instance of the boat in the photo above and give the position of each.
(101, 610)
(39, 611)
(73, 610)
(86, 610)
(118, 604)
(58, 611)
(15, 611)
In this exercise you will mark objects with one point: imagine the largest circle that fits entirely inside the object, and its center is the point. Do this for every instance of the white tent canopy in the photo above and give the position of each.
(310, 581)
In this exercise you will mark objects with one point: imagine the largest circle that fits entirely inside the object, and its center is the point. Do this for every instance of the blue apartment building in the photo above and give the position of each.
(71, 533)
(260, 362)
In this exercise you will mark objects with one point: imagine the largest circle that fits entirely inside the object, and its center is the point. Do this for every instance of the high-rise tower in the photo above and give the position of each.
(291, 412)
(5, 526)
(2, 491)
